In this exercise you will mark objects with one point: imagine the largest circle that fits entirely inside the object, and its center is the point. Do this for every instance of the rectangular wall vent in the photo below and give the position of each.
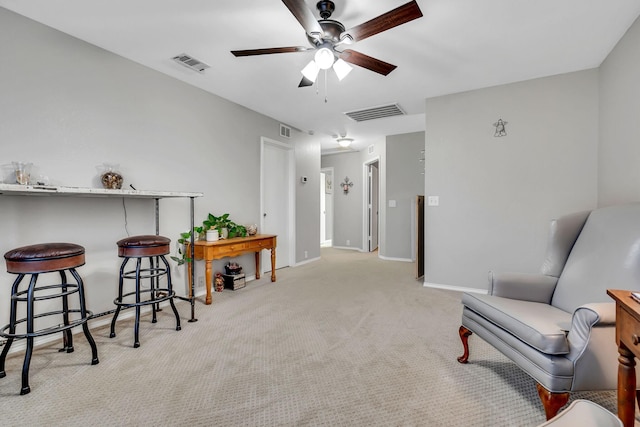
(191, 62)
(375, 113)
(285, 131)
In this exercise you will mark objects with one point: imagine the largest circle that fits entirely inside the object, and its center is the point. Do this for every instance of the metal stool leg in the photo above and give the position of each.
(67, 337)
(83, 314)
(170, 287)
(12, 323)
(153, 283)
(136, 327)
(27, 356)
(119, 299)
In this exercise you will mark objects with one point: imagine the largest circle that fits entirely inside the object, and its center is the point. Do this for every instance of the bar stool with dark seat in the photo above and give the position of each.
(35, 260)
(139, 247)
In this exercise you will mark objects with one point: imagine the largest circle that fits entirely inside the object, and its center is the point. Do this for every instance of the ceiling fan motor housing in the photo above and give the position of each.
(326, 8)
(331, 33)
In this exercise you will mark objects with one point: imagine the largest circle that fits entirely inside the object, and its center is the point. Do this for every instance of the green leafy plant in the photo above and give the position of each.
(212, 222)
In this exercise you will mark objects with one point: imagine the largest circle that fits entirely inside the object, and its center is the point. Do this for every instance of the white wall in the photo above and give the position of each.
(70, 106)
(619, 153)
(497, 195)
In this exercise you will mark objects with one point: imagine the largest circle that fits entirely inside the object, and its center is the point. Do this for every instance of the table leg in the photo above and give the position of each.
(626, 386)
(273, 264)
(208, 279)
(257, 254)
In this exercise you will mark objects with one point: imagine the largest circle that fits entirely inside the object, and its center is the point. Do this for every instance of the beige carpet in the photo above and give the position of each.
(350, 340)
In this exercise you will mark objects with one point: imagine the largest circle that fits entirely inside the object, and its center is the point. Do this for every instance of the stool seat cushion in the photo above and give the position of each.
(143, 246)
(44, 257)
(143, 241)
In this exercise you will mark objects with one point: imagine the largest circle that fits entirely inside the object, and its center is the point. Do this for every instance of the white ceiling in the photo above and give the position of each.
(458, 45)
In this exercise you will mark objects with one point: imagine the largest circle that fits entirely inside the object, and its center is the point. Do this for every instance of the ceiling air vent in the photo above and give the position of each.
(191, 62)
(285, 131)
(373, 113)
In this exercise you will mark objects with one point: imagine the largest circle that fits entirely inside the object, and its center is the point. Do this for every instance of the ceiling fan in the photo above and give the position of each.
(327, 37)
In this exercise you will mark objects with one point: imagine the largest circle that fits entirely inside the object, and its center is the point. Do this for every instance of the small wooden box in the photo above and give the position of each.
(234, 281)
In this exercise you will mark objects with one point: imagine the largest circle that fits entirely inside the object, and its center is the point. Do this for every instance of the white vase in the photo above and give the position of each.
(212, 235)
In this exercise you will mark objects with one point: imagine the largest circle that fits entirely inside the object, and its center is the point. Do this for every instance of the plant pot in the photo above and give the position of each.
(212, 235)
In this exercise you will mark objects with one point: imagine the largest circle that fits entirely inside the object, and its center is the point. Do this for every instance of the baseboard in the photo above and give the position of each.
(306, 261)
(350, 248)
(454, 288)
(386, 258)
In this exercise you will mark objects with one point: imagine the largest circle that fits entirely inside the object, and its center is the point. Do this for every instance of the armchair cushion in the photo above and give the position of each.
(539, 325)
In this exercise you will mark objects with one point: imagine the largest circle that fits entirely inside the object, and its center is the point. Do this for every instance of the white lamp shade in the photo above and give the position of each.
(324, 58)
(311, 71)
(344, 142)
(342, 68)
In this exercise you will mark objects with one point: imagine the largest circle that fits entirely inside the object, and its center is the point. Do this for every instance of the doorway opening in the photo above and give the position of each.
(372, 205)
(326, 207)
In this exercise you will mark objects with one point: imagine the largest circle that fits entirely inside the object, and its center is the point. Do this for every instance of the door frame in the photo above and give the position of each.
(291, 231)
(365, 203)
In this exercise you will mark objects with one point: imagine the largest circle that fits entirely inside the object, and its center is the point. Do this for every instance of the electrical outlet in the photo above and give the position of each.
(200, 282)
(348, 242)
(306, 254)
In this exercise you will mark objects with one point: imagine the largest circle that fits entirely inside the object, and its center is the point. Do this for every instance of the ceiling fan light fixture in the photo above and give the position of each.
(344, 142)
(324, 58)
(341, 68)
(311, 71)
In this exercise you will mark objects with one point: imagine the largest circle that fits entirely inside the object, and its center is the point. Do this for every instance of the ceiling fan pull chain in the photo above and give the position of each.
(326, 87)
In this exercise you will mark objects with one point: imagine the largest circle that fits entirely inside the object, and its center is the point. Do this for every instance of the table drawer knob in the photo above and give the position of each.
(635, 339)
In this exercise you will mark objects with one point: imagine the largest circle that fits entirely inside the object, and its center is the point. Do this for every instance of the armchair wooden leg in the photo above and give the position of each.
(464, 336)
(552, 402)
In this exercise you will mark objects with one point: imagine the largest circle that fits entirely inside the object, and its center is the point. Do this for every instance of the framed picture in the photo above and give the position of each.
(328, 186)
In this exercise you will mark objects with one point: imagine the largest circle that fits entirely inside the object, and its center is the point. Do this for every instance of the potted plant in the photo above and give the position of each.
(219, 223)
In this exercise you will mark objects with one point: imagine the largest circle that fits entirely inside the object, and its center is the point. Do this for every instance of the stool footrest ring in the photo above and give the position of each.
(49, 330)
(167, 295)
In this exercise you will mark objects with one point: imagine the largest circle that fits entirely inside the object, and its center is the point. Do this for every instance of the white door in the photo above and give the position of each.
(276, 201)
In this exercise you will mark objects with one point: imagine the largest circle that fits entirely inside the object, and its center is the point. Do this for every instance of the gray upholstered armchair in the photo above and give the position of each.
(559, 326)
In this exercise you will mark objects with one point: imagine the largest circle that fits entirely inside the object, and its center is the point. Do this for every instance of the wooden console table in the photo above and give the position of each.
(229, 248)
(628, 340)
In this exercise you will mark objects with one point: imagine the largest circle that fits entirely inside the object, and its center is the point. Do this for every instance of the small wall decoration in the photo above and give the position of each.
(346, 184)
(328, 184)
(500, 128)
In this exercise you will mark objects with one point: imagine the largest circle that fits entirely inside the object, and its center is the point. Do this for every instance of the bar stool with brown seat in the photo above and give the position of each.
(154, 248)
(35, 260)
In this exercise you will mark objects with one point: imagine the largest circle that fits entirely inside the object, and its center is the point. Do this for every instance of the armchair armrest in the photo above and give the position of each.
(522, 286)
(585, 318)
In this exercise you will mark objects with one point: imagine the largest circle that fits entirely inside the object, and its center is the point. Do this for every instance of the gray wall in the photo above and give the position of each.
(619, 152)
(405, 180)
(497, 195)
(68, 106)
(347, 208)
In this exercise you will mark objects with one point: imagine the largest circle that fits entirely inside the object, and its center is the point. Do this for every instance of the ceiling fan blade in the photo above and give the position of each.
(401, 15)
(305, 82)
(305, 17)
(365, 61)
(268, 51)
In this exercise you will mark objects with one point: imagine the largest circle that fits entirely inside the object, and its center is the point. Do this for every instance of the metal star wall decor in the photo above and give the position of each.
(500, 128)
